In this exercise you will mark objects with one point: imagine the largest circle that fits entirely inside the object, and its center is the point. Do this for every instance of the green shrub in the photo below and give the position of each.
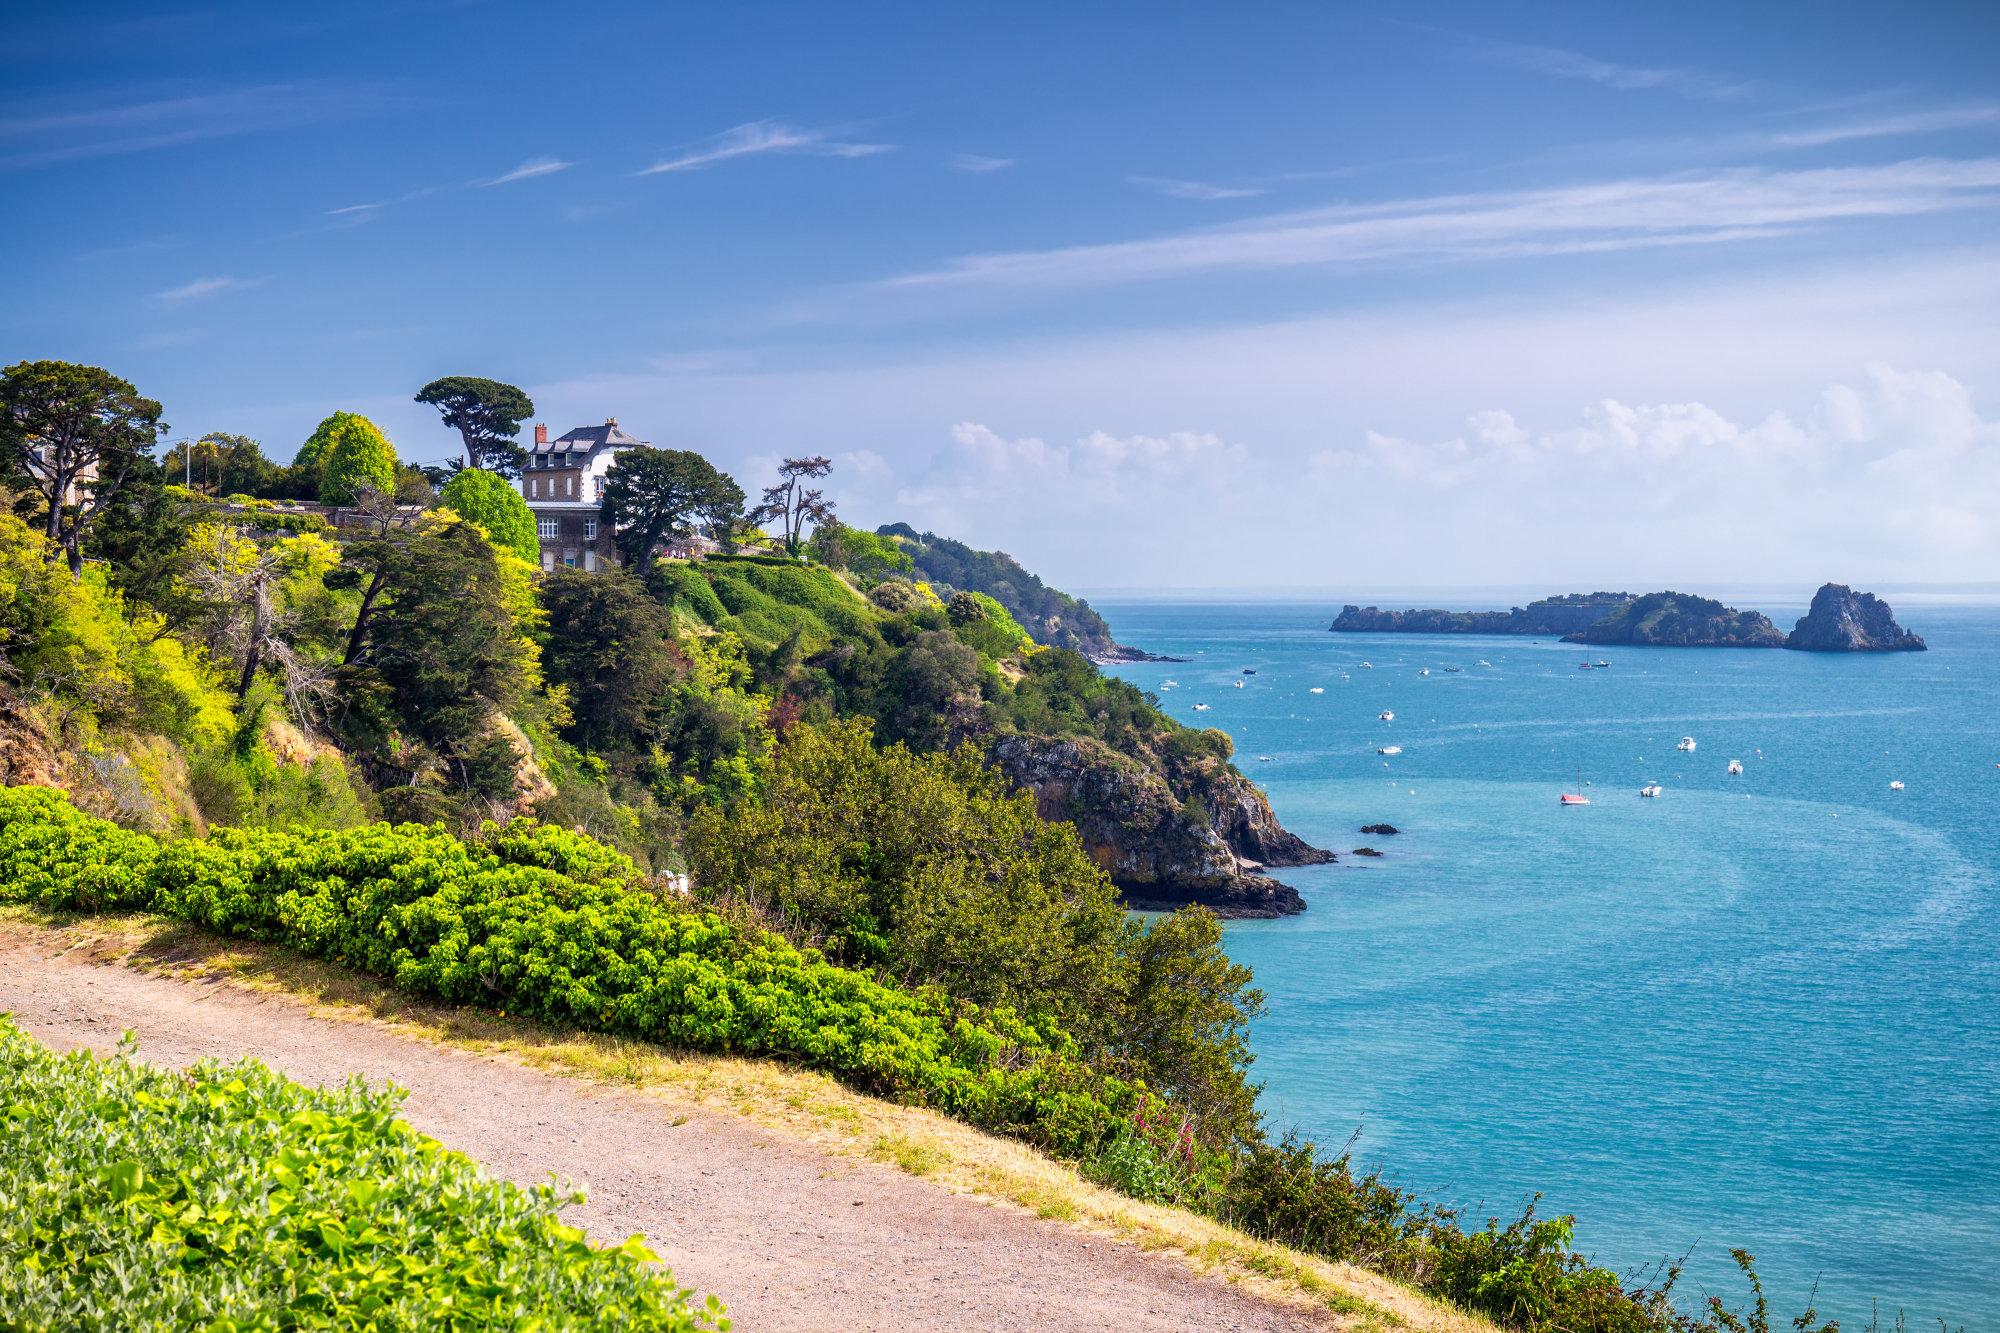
(231, 1199)
(676, 582)
(351, 452)
(493, 503)
(540, 921)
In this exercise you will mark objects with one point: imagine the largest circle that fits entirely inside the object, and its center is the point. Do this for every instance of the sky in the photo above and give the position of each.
(1148, 295)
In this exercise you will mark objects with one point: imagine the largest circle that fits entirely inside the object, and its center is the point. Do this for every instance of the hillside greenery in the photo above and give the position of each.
(398, 745)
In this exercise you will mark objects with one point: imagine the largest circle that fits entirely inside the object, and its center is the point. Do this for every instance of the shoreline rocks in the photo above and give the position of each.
(1842, 620)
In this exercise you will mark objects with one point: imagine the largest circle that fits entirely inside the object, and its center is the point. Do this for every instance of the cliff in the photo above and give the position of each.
(1168, 833)
(1681, 620)
(1552, 616)
(1844, 621)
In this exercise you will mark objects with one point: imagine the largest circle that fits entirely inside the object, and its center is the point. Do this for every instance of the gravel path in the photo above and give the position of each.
(789, 1237)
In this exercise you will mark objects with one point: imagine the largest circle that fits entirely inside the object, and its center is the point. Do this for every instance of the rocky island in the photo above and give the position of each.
(1682, 620)
(1844, 621)
(1551, 616)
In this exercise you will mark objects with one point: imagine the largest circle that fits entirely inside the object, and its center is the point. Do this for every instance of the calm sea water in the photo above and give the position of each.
(1759, 1011)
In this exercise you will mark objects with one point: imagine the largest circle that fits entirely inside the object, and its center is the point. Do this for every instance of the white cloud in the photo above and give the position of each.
(67, 130)
(203, 287)
(1561, 64)
(1174, 189)
(766, 136)
(1971, 116)
(975, 163)
(1611, 215)
(1105, 475)
(533, 167)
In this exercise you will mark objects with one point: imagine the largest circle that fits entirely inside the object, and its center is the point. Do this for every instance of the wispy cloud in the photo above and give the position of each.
(533, 167)
(1938, 120)
(1560, 64)
(204, 287)
(1174, 189)
(1612, 215)
(767, 136)
(975, 163)
(369, 212)
(63, 133)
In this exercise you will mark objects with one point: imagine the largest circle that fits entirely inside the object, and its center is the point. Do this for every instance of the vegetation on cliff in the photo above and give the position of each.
(1678, 619)
(1053, 618)
(1551, 615)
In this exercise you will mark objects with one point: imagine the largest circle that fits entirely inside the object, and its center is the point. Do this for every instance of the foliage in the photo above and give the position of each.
(447, 649)
(1053, 618)
(230, 1198)
(607, 643)
(541, 921)
(70, 438)
(492, 503)
(771, 600)
(653, 494)
(352, 455)
(838, 546)
(487, 416)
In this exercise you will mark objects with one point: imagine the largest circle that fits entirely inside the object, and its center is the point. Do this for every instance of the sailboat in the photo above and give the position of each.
(1570, 798)
(1687, 743)
(1735, 766)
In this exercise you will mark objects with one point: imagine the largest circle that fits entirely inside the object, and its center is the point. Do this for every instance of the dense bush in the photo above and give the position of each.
(493, 503)
(231, 1199)
(541, 921)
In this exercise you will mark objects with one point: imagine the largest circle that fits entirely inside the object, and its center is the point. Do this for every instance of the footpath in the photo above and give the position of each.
(790, 1237)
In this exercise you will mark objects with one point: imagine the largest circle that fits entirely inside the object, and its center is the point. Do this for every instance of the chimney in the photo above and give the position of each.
(611, 421)
(541, 434)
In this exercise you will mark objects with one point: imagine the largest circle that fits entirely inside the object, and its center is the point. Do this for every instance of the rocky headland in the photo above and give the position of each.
(1682, 620)
(1552, 616)
(1168, 834)
(1842, 620)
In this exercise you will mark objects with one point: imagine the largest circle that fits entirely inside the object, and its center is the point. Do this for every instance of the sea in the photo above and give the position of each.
(1760, 1010)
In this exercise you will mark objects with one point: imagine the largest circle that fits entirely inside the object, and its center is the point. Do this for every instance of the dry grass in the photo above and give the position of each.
(800, 1103)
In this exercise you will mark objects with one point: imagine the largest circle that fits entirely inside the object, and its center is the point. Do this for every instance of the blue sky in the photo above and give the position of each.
(1144, 294)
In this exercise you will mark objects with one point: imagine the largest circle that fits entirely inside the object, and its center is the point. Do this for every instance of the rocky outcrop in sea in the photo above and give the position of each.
(1845, 621)
(1210, 847)
(1682, 620)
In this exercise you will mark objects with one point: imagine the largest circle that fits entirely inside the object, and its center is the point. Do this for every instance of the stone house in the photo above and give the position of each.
(564, 487)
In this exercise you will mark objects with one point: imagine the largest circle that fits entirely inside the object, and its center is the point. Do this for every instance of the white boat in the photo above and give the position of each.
(1895, 786)
(1387, 716)
(1369, 665)
(1316, 690)
(1652, 789)
(1425, 672)
(1687, 743)
(1239, 684)
(1390, 749)
(1263, 758)
(1201, 708)
(1736, 766)
(1604, 663)
(1482, 662)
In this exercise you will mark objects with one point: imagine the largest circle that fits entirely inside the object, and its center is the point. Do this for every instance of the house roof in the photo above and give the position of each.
(589, 439)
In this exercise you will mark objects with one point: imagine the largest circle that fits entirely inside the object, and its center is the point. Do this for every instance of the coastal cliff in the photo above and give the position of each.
(1164, 849)
(1844, 621)
(1552, 616)
(1681, 620)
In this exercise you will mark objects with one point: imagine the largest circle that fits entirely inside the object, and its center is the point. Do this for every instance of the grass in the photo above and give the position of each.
(802, 1103)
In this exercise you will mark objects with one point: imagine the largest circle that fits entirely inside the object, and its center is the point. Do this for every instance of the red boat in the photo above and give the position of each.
(1568, 799)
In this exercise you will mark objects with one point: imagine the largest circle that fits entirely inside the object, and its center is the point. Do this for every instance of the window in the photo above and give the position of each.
(569, 558)
(548, 529)
(590, 529)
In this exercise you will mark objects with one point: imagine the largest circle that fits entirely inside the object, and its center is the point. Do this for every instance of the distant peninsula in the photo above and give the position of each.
(1682, 620)
(1845, 621)
(1551, 617)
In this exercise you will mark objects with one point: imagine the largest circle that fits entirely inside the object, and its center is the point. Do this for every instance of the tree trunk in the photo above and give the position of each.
(258, 617)
(360, 634)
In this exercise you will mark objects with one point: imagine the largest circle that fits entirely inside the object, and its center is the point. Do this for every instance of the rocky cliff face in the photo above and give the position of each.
(1681, 620)
(1207, 845)
(1845, 621)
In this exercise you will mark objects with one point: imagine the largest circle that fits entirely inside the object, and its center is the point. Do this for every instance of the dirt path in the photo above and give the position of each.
(788, 1236)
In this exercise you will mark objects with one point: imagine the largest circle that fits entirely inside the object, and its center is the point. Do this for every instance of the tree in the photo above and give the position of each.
(74, 434)
(607, 642)
(792, 505)
(653, 494)
(487, 416)
(495, 505)
(838, 546)
(245, 470)
(353, 455)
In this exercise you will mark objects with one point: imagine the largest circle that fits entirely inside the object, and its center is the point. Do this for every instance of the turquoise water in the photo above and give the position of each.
(1759, 1011)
